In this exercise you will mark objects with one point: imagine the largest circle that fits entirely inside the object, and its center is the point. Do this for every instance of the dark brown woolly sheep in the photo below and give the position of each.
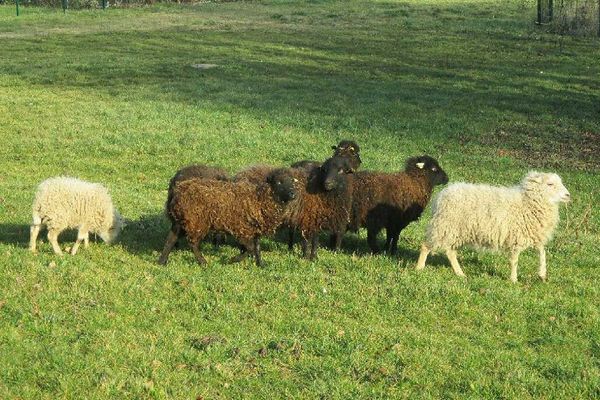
(347, 148)
(392, 200)
(196, 171)
(245, 210)
(324, 203)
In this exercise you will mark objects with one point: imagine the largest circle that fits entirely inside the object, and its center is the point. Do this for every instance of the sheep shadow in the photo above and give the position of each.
(145, 235)
(16, 234)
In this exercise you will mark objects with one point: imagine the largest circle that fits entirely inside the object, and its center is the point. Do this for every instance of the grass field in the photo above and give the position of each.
(110, 96)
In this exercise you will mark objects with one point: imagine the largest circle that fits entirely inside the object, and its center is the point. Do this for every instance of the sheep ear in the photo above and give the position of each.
(333, 147)
(420, 165)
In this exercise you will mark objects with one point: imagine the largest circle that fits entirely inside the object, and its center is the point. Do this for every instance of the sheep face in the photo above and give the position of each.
(548, 185)
(333, 171)
(283, 184)
(111, 234)
(430, 167)
(349, 149)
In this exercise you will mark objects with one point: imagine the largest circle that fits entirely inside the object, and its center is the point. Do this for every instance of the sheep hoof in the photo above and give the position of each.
(543, 278)
(162, 261)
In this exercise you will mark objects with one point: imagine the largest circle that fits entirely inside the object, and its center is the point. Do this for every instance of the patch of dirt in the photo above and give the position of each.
(558, 148)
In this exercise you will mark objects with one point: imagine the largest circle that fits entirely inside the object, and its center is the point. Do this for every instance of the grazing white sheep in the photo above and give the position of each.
(497, 218)
(62, 203)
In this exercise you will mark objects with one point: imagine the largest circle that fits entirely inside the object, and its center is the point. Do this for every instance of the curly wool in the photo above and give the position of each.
(194, 171)
(241, 209)
(393, 200)
(491, 217)
(64, 202)
(318, 209)
(497, 218)
(385, 196)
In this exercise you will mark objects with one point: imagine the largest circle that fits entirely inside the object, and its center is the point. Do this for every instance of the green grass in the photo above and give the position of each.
(110, 96)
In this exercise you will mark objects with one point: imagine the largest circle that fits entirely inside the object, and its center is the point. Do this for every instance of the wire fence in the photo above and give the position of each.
(570, 17)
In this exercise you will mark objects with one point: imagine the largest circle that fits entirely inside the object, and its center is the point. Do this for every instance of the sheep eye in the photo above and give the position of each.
(550, 183)
(434, 169)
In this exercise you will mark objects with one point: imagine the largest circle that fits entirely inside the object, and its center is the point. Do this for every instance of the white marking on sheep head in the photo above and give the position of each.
(420, 165)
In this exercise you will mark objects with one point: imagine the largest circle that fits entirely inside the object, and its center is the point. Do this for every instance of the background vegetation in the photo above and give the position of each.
(112, 96)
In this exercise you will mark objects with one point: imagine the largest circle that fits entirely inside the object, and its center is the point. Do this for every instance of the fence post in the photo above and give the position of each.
(65, 5)
(550, 9)
(104, 4)
(539, 10)
(17, 3)
(598, 18)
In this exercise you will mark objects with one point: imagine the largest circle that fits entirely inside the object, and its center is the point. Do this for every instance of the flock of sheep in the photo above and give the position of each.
(310, 197)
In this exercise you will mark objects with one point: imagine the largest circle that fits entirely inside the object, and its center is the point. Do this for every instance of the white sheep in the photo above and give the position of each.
(63, 202)
(497, 218)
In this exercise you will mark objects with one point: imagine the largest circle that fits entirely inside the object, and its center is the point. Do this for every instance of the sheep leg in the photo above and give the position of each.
(314, 245)
(542, 270)
(391, 243)
(514, 263)
(170, 242)
(81, 235)
(335, 240)
(372, 239)
(195, 245)
(425, 250)
(304, 245)
(247, 248)
(257, 256)
(290, 238)
(34, 230)
(451, 254)
(53, 239)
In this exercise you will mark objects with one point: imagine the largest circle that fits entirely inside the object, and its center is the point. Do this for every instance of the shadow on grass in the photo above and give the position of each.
(325, 83)
(145, 235)
(16, 234)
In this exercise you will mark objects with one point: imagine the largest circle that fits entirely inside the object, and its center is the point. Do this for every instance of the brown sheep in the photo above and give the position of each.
(324, 203)
(245, 210)
(196, 171)
(392, 200)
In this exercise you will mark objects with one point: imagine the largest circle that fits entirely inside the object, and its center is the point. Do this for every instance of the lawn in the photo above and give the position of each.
(112, 96)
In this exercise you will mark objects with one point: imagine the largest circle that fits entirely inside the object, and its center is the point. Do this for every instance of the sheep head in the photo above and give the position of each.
(117, 224)
(547, 185)
(429, 166)
(333, 170)
(349, 149)
(283, 184)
